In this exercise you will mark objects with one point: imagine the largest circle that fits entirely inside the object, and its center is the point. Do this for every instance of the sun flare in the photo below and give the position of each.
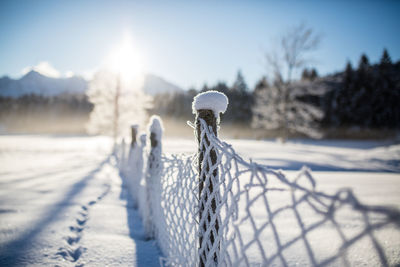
(126, 60)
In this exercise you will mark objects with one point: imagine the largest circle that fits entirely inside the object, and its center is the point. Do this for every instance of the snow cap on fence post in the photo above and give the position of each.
(134, 129)
(207, 106)
(211, 100)
(155, 130)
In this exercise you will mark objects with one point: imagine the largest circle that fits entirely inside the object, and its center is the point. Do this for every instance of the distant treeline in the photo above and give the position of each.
(179, 105)
(363, 99)
(368, 96)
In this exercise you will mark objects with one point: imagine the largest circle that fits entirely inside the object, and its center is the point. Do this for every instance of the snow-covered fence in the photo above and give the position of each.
(268, 219)
(215, 208)
(132, 166)
(152, 176)
(207, 107)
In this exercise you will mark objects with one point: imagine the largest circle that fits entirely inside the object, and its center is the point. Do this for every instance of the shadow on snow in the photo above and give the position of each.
(16, 252)
(147, 251)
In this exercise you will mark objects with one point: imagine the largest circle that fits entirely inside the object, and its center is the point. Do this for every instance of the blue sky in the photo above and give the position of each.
(191, 42)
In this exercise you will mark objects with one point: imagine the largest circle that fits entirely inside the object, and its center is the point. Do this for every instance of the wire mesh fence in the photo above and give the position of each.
(254, 216)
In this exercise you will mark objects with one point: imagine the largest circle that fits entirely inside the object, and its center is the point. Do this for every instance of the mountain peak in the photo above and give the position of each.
(33, 74)
(154, 84)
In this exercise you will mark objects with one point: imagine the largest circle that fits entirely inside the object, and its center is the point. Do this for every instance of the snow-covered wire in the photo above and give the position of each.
(265, 218)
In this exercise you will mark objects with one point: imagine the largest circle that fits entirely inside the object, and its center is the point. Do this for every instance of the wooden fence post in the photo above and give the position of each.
(153, 172)
(134, 129)
(207, 107)
(121, 158)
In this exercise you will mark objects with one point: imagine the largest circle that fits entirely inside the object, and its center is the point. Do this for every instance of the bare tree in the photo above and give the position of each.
(295, 44)
(293, 48)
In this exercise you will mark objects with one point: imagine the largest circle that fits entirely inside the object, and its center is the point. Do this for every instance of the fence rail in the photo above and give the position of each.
(216, 209)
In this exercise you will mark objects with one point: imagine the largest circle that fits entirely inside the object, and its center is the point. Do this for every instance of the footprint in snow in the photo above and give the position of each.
(71, 254)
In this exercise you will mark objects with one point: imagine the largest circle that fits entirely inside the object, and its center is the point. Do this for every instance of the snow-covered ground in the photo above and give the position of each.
(63, 203)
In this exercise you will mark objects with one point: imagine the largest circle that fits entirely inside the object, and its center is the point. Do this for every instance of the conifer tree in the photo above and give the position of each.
(385, 59)
(240, 85)
(363, 65)
(262, 84)
(305, 75)
(348, 75)
(313, 74)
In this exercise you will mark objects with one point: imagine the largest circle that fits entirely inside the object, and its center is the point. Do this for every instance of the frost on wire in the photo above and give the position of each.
(267, 218)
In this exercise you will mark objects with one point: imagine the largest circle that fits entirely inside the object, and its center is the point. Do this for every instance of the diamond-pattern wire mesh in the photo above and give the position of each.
(177, 226)
(265, 218)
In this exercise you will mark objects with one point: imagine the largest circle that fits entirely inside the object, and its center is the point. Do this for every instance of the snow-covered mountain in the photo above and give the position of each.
(154, 85)
(36, 83)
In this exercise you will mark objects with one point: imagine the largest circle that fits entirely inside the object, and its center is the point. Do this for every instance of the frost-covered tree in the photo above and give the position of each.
(116, 92)
(276, 107)
(300, 117)
(118, 103)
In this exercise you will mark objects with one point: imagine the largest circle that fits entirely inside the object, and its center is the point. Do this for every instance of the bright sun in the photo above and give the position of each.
(126, 60)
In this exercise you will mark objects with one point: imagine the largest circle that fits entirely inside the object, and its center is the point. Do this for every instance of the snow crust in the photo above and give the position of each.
(212, 100)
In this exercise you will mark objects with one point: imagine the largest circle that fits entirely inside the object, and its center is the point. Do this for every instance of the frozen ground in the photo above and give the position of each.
(62, 201)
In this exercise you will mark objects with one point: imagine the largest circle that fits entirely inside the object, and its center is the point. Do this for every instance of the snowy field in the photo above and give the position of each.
(62, 201)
